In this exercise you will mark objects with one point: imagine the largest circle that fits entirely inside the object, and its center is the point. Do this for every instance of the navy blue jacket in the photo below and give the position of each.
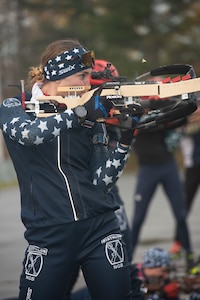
(64, 169)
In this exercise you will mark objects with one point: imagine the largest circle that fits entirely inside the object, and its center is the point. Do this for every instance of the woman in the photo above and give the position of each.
(64, 172)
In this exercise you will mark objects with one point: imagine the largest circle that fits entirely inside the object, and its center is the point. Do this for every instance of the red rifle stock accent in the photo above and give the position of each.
(23, 95)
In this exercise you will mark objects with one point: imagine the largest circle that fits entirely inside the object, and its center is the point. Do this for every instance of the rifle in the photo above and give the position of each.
(122, 93)
(186, 283)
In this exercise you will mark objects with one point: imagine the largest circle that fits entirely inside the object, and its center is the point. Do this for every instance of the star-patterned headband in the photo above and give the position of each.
(68, 63)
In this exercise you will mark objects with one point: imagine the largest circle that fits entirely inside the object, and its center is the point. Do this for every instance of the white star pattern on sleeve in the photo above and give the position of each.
(119, 173)
(106, 175)
(56, 131)
(58, 118)
(70, 112)
(95, 182)
(23, 124)
(14, 120)
(21, 142)
(69, 124)
(13, 132)
(108, 163)
(25, 133)
(99, 171)
(116, 163)
(107, 179)
(5, 127)
(43, 126)
(38, 140)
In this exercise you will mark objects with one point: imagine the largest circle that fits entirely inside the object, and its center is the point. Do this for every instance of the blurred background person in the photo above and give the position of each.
(190, 149)
(155, 273)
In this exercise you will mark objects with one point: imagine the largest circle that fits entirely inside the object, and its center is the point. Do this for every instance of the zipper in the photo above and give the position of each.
(66, 181)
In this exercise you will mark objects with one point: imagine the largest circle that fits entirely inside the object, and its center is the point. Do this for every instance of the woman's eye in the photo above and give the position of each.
(83, 76)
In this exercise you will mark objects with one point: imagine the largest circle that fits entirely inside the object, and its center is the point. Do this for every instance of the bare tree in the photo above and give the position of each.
(8, 50)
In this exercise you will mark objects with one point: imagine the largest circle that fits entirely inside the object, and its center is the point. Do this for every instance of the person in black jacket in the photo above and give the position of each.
(64, 171)
(157, 166)
(190, 149)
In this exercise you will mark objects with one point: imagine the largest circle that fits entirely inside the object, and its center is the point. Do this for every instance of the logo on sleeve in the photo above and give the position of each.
(11, 102)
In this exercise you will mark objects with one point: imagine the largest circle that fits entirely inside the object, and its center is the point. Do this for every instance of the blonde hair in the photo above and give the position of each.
(36, 73)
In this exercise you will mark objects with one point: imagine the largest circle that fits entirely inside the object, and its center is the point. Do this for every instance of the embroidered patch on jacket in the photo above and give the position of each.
(11, 102)
(114, 250)
(34, 261)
